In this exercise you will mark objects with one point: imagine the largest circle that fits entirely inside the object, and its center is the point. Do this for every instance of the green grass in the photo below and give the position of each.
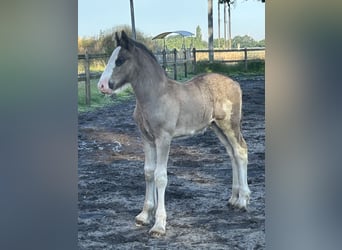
(98, 99)
(238, 69)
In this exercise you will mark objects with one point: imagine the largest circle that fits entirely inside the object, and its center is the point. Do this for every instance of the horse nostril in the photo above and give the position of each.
(110, 84)
(101, 86)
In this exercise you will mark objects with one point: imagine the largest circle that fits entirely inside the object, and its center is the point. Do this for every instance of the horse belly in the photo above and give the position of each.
(191, 125)
(186, 134)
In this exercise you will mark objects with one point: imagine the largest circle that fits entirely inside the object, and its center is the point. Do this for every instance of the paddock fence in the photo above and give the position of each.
(177, 64)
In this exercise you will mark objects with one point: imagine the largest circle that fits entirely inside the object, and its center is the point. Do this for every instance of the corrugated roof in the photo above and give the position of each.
(180, 32)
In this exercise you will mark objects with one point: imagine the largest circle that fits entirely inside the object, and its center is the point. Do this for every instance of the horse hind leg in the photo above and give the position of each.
(235, 184)
(237, 150)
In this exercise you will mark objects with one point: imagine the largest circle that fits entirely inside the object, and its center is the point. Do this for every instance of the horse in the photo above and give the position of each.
(166, 109)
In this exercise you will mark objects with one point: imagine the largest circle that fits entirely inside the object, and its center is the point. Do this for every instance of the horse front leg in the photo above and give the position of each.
(160, 176)
(145, 217)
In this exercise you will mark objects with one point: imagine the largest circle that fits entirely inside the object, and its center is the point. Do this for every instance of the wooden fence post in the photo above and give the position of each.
(87, 80)
(185, 65)
(194, 61)
(175, 64)
(164, 59)
(246, 62)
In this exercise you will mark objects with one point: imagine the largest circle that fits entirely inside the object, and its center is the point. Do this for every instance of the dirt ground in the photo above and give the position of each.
(111, 183)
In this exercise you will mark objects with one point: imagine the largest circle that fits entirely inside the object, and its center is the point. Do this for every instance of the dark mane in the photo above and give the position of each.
(149, 52)
(143, 47)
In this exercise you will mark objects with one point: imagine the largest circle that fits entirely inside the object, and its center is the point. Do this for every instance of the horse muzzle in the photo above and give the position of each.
(110, 84)
(105, 86)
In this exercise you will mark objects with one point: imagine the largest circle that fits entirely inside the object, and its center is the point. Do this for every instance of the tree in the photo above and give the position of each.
(108, 43)
(261, 43)
(244, 42)
(198, 33)
(87, 43)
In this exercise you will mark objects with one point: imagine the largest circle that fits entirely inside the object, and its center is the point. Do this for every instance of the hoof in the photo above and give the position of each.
(139, 224)
(156, 232)
(242, 209)
(232, 201)
(238, 205)
(231, 204)
(141, 221)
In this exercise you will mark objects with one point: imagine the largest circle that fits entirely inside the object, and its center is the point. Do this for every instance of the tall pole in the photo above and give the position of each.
(219, 23)
(210, 31)
(225, 25)
(229, 28)
(134, 36)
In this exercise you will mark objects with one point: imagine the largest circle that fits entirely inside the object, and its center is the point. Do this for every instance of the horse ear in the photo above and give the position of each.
(126, 41)
(117, 39)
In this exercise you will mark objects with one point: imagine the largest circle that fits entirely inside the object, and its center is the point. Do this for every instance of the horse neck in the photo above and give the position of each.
(150, 80)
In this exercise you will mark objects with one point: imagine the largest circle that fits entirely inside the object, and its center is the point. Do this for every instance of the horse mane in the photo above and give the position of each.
(149, 52)
(144, 48)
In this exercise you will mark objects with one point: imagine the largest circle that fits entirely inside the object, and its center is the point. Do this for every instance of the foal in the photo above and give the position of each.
(166, 109)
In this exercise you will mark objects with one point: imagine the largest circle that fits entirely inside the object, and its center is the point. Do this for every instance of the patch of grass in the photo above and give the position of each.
(254, 68)
(97, 99)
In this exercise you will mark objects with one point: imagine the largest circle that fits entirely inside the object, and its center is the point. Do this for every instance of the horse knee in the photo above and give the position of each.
(160, 179)
(241, 154)
(149, 174)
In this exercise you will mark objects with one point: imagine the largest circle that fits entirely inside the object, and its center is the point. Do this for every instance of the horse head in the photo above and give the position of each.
(120, 66)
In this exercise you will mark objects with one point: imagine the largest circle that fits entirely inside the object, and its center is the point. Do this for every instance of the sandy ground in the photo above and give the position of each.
(111, 183)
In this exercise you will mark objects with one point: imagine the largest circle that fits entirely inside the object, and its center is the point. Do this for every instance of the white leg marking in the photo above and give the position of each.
(144, 218)
(235, 183)
(235, 167)
(160, 176)
(244, 192)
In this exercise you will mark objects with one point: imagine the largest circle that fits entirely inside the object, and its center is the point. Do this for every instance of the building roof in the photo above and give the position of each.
(183, 33)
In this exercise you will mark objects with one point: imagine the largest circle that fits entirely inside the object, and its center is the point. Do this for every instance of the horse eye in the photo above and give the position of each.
(119, 61)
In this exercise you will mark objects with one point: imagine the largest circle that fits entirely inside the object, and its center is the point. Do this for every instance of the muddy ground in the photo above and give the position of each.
(111, 183)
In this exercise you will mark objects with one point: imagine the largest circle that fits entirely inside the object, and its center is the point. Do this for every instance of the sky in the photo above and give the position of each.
(153, 17)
